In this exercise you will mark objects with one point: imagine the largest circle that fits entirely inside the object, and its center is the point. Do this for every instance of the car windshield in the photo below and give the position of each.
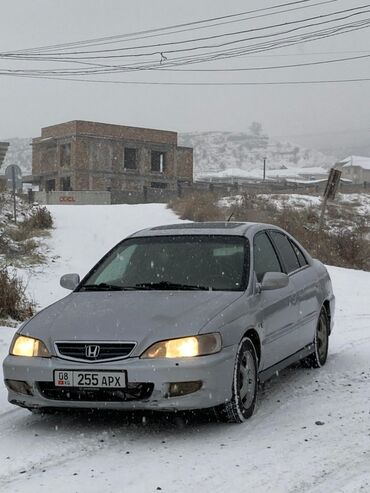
(196, 262)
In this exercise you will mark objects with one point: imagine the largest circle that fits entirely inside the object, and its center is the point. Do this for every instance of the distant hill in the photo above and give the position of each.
(20, 153)
(220, 151)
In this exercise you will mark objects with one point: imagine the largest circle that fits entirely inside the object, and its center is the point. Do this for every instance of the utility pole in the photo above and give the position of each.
(14, 196)
(13, 175)
(329, 193)
(264, 169)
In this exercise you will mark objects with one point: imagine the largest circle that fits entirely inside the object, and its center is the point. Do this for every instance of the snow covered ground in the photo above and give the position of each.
(281, 449)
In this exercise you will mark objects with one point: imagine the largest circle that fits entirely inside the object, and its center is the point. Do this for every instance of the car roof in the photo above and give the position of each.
(203, 228)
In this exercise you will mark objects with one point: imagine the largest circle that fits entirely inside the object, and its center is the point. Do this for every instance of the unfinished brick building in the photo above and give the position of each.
(81, 155)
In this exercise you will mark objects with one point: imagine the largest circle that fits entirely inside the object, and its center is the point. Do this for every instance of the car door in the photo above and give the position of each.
(277, 309)
(303, 279)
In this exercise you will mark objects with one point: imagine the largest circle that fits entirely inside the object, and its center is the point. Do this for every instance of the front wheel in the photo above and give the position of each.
(318, 358)
(245, 386)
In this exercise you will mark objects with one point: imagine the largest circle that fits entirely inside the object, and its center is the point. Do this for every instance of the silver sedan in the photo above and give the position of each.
(177, 317)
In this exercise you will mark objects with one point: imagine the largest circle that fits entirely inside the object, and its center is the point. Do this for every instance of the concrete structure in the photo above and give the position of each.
(81, 155)
(72, 198)
(355, 168)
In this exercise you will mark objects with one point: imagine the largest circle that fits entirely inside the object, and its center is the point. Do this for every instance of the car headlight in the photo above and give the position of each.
(185, 347)
(28, 346)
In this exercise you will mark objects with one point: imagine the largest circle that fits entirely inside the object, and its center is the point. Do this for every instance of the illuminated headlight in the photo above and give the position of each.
(28, 346)
(186, 347)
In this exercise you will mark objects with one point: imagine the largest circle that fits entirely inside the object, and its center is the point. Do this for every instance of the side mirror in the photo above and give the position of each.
(274, 280)
(70, 281)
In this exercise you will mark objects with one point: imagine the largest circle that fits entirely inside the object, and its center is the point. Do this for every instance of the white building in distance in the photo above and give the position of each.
(355, 168)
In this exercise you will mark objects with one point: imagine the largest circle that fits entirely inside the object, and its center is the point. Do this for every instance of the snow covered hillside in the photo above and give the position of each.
(20, 153)
(310, 432)
(244, 152)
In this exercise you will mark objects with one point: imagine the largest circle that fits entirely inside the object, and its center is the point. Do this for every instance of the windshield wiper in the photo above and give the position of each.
(102, 287)
(162, 285)
(166, 285)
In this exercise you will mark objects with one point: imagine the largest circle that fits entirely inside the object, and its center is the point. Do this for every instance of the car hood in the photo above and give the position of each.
(143, 317)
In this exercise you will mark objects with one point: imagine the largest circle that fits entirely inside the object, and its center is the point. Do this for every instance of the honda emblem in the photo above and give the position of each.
(92, 351)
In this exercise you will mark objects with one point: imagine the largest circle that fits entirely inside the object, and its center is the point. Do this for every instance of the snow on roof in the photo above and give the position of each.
(361, 161)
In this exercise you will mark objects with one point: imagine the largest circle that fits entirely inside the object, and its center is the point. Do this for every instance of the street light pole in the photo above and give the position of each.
(264, 169)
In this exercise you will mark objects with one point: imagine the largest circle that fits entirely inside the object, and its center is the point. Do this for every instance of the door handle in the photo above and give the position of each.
(293, 298)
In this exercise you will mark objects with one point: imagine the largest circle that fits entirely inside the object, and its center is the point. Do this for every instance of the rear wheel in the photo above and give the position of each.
(318, 358)
(245, 386)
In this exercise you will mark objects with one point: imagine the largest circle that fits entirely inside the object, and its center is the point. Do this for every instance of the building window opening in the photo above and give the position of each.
(50, 186)
(65, 184)
(158, 184)
(65, 154)
(129, 160)
(158, 161)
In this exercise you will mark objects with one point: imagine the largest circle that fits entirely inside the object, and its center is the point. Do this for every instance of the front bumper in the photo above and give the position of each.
(214, 371)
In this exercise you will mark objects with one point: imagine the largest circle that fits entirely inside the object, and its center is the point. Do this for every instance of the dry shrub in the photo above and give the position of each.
(20, 233)
(198, 207)
(5, 247)
(13, 300)
(40, 219)
(29, 247)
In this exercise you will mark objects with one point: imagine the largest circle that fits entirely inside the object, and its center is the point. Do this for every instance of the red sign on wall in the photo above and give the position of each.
(67, 199)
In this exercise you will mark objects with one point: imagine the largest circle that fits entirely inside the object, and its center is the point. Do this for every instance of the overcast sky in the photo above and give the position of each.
(323, 112)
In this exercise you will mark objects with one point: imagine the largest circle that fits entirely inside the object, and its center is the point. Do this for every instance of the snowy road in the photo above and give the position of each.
(280, 449)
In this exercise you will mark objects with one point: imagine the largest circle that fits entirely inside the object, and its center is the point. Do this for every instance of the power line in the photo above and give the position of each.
(271, 67)
(165, 28)
(218, 55)
(270, 44)
(301, 7)
(204, 84)
(217, 36)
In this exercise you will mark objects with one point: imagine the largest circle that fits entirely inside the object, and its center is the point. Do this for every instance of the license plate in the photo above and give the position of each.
(96, 379)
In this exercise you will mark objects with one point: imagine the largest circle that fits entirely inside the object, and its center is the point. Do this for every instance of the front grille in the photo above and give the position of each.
(106, 350)
(133, 392)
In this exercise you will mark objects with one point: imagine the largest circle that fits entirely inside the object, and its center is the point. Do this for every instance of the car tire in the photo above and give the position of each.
(321, 343)
(245, 386)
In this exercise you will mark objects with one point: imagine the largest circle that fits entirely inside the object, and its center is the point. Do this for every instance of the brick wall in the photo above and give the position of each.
(97, 156)
(107, 130)
(185, 163)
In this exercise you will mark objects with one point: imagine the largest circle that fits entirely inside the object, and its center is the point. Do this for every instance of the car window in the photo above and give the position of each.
(285, 250)
(265, 258)
(210, 262)
(301, 258)
(117, 266)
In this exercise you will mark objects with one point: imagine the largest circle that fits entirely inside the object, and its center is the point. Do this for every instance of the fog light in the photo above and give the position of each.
(177, 389)
(19, 387)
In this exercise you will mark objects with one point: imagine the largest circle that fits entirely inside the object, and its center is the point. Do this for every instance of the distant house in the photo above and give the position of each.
(81, 155)
(355, 168)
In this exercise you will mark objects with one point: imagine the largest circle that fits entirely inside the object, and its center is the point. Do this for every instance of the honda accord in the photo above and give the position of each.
(185, 316)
